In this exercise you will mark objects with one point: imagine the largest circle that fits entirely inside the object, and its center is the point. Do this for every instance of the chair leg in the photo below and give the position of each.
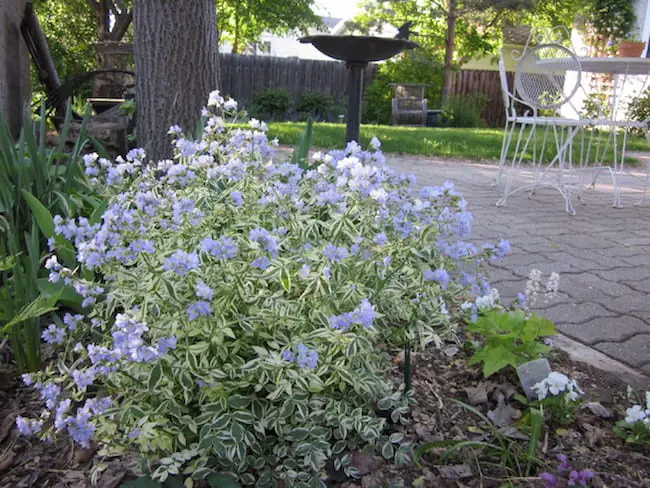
(505, 146)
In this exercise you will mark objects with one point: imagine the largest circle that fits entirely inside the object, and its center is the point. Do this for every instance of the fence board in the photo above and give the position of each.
(484, 82)
(243, 75)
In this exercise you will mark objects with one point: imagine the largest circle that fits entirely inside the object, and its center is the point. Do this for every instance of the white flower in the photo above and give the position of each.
(557, 382)
(215, 100)
(375, 143)
(52, 263)
(541, 389)
(466, 306)
(174, 130)
(230, 104)
(379, 194)
(205, 112)
(486, 302)
(254, 123)
(552, 286)
(635, 414)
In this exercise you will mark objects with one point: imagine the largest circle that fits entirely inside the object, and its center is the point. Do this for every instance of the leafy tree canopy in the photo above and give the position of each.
(243, 21)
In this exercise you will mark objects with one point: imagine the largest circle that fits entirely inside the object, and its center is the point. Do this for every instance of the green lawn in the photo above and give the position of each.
(476, 144)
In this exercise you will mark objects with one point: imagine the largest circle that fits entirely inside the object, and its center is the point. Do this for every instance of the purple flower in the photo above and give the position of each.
(181, 262)
(265, 239)
(262, 263)
(166, 343)
(326, 273)
(53, 334)
(288, 355)
(380, 239)
(134, 433)
(307, 358)
(98, 405)
(198, 309)
(61, 409)
(222, 248)
(142, 245)
(27, 379)
(203, 291)
(580, 478)
(71, 321)
(83, 379)
(502, 248)
(237, 198)
(550, 480)
(304, 271)
(28, 427)
(335, 254)
(364, 314)
(440, 276)
(80, 428)
(521, 300)
(49, 393)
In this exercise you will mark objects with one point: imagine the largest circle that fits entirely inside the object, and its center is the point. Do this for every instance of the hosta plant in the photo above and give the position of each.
(236, 328)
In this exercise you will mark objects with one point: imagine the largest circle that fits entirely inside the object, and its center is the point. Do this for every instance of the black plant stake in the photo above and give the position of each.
(407, 366)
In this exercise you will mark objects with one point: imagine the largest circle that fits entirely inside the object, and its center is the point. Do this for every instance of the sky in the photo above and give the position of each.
(336, 8)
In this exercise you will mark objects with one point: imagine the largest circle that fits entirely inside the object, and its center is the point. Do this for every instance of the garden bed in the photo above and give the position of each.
(438, 376)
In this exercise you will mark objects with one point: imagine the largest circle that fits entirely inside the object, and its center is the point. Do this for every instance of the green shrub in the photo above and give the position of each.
(463, 111)
(239, 330)
(270, 104)
(639, 109)
(409, 68)
(314, 104)
(596, 106)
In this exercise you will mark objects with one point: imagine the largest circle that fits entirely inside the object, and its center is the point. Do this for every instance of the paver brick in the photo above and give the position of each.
(605, 329)
(634, 351)
(576, 313)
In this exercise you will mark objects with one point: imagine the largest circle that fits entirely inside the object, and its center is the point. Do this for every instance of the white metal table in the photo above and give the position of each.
(622, 69)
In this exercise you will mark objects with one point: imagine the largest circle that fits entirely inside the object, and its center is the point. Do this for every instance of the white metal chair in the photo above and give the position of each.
(541, 89)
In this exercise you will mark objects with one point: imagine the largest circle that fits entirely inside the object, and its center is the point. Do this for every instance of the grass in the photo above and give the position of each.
(474, 144)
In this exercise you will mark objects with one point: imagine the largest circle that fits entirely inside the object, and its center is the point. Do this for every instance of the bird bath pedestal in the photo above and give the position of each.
(357, 52)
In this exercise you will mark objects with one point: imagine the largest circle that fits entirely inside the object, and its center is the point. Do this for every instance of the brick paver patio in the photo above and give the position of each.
(602, 253)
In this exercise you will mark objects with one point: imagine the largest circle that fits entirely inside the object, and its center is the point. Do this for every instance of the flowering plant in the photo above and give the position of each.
(558, 396)
(242, 300)
(635, 427)
(510, 337)
(565, 472)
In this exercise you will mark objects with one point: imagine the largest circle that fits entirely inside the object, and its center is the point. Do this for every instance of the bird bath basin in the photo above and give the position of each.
(357, 52)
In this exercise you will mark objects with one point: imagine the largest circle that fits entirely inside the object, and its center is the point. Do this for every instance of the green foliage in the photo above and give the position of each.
(301, 150)
(241, 23)
(509, 339)
(612, 19)
(271, 104)
(35, 181)
(316, 105)
(634, 429)
(463, 111)
(69, 28)
(596, 106)
(409, 68)
(639, 109)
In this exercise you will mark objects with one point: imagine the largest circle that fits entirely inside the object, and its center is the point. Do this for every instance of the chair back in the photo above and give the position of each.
(541, 80)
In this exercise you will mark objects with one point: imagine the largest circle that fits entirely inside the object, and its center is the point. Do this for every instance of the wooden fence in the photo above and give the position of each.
(471, 82)
(243, 75)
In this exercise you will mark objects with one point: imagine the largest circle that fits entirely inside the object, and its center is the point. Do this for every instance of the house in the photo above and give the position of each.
(286, 46)
(14, 64)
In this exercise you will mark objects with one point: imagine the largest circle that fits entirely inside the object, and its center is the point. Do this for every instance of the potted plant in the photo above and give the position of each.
(610, 21)
(630, 46)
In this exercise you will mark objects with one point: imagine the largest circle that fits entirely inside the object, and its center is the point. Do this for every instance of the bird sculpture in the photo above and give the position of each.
(404, 31)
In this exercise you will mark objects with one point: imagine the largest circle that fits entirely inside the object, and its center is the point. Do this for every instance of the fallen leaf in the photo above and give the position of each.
(593, 435)
(562, 432)
(9, 418)
(598, 410)
(455, 471)
(504, 414)
(478, 395)
(514, 433)
(365, 463)
(7, 461)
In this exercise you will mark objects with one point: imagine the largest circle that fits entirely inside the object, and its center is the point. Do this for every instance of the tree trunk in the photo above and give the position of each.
(176, 64)
(452, 6)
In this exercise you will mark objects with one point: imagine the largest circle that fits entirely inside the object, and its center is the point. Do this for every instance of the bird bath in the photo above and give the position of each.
(357, 52)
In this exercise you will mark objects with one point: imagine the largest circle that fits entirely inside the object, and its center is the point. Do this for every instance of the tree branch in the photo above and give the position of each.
(94, 5)
(122, 23)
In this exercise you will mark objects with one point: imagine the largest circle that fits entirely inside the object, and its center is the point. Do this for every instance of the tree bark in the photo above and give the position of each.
(176, 64)
(452, 7)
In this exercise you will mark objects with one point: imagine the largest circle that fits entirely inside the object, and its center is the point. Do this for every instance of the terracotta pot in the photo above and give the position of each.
(630, 49)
